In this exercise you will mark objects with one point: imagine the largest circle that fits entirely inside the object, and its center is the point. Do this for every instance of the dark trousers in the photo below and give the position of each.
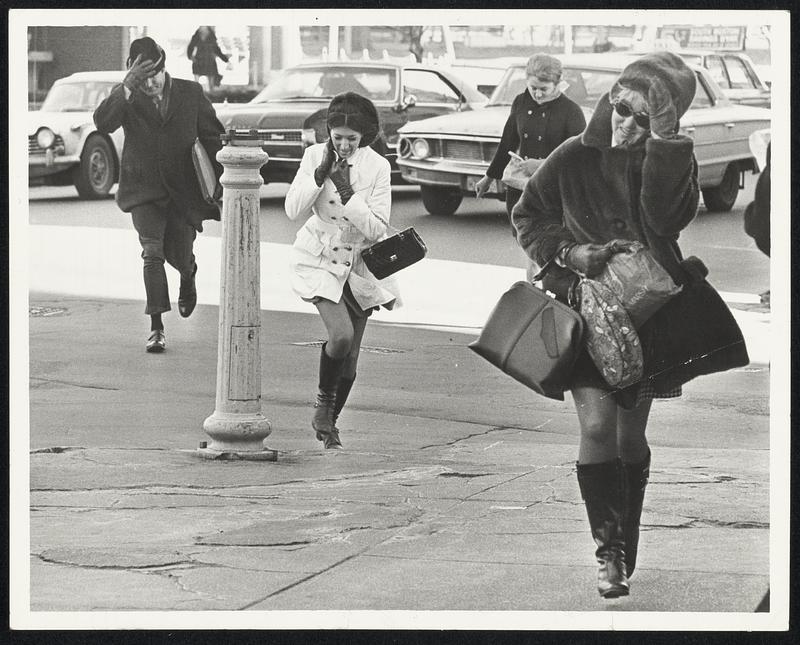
(164, 235)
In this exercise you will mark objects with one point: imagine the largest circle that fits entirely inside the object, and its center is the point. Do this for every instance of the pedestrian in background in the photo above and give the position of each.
(757, 214)
(161, 117)
(541, 118)
(203, 51)
(630, 176)
(343, 188)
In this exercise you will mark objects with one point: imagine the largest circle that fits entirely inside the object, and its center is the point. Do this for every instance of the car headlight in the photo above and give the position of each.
(45, 137)
(403, 148)
(420, 148)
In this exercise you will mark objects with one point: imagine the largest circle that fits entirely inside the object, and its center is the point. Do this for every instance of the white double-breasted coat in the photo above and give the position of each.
(327, 250)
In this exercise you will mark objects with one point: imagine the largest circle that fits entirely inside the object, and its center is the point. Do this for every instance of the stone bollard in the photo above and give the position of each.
(237, 427)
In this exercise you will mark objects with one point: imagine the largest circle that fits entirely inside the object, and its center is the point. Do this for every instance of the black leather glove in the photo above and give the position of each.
(138, 72)
(325, 165)
(340, 176)
(663, 117)
(590, 259)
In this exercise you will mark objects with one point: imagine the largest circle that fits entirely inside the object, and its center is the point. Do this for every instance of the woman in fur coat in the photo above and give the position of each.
(343, 188)
(629, 176)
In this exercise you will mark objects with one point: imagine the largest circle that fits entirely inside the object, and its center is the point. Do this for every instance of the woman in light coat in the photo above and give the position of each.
(343, 188)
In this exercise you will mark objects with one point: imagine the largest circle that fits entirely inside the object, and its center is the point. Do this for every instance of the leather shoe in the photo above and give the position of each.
(187, 298)
(157, 341)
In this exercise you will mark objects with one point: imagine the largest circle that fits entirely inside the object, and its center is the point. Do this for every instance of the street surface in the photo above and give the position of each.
(456, 489)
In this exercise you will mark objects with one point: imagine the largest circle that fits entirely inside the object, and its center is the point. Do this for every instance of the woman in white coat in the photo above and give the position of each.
(343, 188)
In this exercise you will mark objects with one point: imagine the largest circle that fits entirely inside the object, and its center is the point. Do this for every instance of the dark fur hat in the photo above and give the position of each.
(356, 112)
(674, 73)
(149, 50)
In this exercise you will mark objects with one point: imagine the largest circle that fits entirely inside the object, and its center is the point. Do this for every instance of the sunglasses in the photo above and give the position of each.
(642, 119)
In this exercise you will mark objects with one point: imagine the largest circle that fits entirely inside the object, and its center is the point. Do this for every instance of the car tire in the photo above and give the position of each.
(722, 198)
(438, 200)
(97, 172)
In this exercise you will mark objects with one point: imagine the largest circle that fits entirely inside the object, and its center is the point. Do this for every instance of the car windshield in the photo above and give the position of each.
(586, 86)
(378, 84)
(76, 97)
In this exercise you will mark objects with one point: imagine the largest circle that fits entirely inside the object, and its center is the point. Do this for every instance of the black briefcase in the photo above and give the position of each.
(394, 253)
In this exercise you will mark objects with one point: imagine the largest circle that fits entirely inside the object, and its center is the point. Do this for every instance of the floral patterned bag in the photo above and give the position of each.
(611, 339)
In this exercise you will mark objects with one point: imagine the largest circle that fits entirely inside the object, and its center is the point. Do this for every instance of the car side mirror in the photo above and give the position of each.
(409, 100)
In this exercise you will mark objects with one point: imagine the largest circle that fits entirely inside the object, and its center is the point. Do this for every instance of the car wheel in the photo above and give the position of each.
(440, 201)
(722, 198)
(98, 170)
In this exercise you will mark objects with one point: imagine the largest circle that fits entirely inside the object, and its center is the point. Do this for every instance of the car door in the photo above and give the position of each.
(708, 122)
(434, 95)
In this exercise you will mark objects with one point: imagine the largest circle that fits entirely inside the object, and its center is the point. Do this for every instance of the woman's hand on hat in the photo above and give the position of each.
(139, 71)
(661, 108)
(324, 167)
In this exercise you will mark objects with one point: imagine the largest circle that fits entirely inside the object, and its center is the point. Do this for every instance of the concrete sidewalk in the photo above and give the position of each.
(456, 489)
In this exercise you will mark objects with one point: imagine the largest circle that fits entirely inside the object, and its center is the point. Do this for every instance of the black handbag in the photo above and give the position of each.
(693, 334)
(399, 251)
(533, 338)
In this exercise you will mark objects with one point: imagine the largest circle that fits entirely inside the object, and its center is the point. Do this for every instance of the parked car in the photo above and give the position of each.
(64, 147)
(291, 110)
(447, 155)
(485, 73)
(735, 74)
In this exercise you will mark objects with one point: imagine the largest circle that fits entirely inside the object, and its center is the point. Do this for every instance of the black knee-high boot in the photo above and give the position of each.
(636, 477)
(329, 370)
(603, 491)
(342, 392)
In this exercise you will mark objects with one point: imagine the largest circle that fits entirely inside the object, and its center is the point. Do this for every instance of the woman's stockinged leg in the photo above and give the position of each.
(339, 327)
(631, 432)
(597, 416)
(350, 365)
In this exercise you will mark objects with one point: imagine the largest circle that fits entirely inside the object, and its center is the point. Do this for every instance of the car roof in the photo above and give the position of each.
(115, 76)
(354, 63)
(615, 61)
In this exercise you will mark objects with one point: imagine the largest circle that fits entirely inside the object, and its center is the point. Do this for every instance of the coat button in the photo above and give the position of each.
(332, 201)
(530, 111)
(525, 135)
(334, 262)
(349, 248)
(333, 216)
(539, 138)
(335, 248)
(618, 224)
(543, 114)
(347, 263)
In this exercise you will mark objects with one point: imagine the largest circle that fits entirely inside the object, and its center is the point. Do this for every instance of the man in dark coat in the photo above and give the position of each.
(162, 117)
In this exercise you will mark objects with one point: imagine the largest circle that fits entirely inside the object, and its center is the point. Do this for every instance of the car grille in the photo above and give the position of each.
(35, 149)
(461, 150)
(283, 144)
(282, 136)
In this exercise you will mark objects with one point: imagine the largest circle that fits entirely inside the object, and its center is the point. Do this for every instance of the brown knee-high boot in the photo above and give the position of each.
(329, 370)
(603, 491)
(636, 477)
